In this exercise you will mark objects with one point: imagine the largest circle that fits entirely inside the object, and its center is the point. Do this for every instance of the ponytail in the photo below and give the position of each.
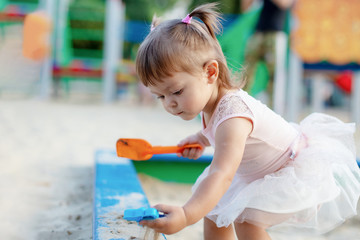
(209, 15)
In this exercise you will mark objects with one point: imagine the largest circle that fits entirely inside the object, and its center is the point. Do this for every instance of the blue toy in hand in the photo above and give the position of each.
(141, 214)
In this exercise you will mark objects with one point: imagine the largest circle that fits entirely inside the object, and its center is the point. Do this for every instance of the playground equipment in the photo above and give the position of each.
(233, 42)
(325, 41)
(12, 15)
(171, 168)
(67, 60)
(344, 81)
(37, 27)
(116, 189)
(139, 149)
(91, 45)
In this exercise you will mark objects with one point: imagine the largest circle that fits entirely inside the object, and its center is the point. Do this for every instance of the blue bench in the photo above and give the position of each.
(116, 188)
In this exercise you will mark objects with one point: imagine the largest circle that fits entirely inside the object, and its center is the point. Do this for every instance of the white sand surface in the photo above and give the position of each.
(46, 165)
(47, 156)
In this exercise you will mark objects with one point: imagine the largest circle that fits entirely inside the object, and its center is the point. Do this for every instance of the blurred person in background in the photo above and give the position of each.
(262, 45)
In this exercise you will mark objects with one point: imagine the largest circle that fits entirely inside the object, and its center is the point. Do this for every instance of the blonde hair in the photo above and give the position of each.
(175, 46)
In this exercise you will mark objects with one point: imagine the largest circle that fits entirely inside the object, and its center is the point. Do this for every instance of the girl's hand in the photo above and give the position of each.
(193, 153)
(173, 221)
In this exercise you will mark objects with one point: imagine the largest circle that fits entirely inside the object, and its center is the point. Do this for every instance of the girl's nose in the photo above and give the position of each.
(171, 103)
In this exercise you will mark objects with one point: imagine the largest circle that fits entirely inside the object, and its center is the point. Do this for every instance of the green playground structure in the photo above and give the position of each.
(88, 40)
(233, 42)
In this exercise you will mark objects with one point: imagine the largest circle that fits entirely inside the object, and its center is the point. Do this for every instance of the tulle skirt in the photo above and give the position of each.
(315, 191)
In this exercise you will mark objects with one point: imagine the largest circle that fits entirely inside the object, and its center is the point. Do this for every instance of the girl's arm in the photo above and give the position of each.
(245, 5)
(230, 140)
(284, 4)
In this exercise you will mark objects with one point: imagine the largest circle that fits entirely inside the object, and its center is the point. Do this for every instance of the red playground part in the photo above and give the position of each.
(344, 81)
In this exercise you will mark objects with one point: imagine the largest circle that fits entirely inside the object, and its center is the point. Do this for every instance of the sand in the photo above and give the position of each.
(47, 158)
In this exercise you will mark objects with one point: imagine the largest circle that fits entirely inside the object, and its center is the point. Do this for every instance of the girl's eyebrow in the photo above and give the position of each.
(174, 87)
(154, 92)
(168, 89)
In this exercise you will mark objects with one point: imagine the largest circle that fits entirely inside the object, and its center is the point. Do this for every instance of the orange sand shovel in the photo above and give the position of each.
(140, 150)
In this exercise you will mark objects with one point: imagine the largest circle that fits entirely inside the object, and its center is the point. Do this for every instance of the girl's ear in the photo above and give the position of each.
(211, 69)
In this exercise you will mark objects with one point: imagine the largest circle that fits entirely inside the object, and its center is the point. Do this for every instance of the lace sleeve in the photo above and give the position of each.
(229, 107)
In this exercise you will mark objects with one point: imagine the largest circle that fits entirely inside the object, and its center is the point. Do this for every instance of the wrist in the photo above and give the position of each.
(202, 139)
(185, 216)
(188, 217)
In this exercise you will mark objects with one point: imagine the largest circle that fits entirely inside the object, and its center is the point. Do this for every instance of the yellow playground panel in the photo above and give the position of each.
(327, 30)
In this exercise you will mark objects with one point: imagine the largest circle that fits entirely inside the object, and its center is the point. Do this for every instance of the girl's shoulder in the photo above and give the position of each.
(231, 105)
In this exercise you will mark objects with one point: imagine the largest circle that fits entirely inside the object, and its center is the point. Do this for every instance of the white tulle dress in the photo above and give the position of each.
(291, 176)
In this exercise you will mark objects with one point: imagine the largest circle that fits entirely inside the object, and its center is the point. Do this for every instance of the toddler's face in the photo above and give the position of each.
(183, 94)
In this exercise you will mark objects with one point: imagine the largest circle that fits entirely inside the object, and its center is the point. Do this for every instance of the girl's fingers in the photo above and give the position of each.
(183, 142)
(163, 208)
(185, 152)
(192, 153)
(196, 153)
(189, 140)
(155, 224)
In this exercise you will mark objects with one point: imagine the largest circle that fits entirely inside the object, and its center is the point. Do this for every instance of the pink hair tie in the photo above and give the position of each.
(187, 19)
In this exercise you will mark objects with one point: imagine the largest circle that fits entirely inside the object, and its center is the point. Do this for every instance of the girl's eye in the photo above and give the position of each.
(160, 97)
(178, 92)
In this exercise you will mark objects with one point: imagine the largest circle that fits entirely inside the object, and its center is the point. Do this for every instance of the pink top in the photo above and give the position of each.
(268, 147)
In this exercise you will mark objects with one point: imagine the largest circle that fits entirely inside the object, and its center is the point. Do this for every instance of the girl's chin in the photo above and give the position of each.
(187, 117)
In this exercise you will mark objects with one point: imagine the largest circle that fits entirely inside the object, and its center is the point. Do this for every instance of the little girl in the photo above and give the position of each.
(266, 172)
